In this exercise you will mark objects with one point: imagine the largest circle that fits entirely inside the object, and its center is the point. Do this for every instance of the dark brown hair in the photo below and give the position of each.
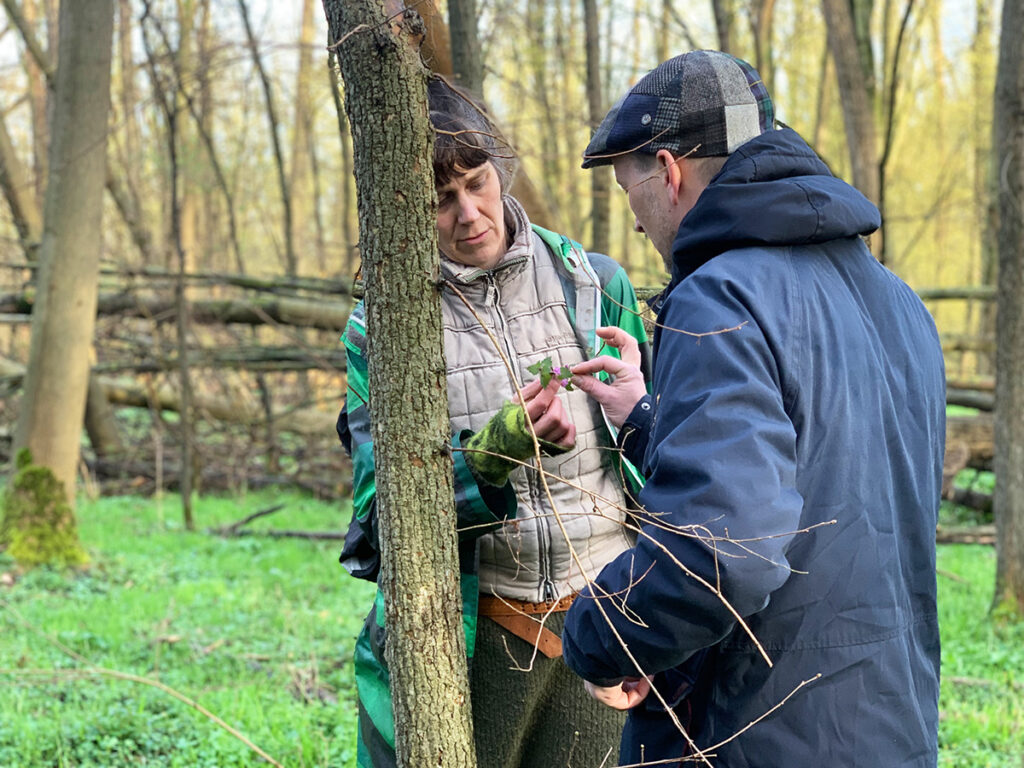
(465, 138)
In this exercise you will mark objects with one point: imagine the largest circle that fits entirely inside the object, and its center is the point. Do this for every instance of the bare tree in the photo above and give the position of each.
(600, 180)
(856, 89)
(1008, 146)
(307, 229)
(50, 422)
(465, 41)
(724, 13)
(291, 263)
(408, 388)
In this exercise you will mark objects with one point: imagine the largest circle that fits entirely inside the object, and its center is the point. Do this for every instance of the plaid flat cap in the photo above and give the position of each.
(704, 99)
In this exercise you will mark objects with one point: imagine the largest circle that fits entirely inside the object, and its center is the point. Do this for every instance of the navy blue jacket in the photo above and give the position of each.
(793, 469)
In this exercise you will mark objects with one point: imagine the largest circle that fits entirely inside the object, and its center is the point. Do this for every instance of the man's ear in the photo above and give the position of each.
(675, 179)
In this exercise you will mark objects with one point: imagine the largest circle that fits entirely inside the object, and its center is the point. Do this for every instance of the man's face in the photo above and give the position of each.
(471, 218)
(643, 179)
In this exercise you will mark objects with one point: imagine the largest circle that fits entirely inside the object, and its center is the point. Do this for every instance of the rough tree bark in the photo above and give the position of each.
(387, 109)
(1008, 145)
(50, 422)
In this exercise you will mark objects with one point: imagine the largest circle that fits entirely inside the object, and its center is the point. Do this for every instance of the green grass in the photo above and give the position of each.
(259, 631)
(982, 696)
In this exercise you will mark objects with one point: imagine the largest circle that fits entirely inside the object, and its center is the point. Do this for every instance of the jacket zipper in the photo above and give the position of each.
(532, 480)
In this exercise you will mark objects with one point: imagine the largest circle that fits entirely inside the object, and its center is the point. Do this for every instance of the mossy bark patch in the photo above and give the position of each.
(37, 525)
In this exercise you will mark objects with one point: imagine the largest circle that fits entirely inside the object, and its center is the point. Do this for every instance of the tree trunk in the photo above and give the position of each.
(856, 93)
(724, 13)
(600, 179)
(39, 98)
(761, 16)
(50, 422)
(387, 108)
(304, 235)
(465, 41)
(1008, 145)
(99, 421)
(984, 176)
(290, 258)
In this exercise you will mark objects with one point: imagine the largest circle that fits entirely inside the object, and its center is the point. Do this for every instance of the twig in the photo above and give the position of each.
(233, 529)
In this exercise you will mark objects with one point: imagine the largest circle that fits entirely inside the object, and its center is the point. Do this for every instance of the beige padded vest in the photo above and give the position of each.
(521, 302)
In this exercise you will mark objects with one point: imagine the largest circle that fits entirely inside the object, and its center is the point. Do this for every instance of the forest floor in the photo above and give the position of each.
(260, 631)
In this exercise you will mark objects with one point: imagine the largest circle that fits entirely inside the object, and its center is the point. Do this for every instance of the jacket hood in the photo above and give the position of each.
(772, 191)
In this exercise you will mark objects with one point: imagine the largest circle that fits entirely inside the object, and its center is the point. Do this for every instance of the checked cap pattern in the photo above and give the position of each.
(704, 99)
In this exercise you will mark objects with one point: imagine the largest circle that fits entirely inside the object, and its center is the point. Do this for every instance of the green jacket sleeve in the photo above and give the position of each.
(479, 507)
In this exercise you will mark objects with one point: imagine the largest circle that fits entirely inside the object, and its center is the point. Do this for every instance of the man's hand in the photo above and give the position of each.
(625, 695)
(545, 410)
(619, 397)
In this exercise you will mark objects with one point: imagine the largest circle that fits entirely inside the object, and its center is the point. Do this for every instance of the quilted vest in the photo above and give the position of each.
(523, 305)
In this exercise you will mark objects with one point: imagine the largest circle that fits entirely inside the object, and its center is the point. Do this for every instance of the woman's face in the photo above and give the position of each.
(471, 218)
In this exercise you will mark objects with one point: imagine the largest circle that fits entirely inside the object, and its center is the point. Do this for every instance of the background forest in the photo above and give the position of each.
(228, 261)
(265, 190)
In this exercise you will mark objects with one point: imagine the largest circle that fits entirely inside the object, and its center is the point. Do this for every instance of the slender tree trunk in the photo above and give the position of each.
(100, 423)
(1008, 148)
(348, 238)
(600, 180)
(465, 40)
(387, 107)
(39, 97)
(762, 14)
(724, 13)
(291, 264)
(856, 91)
(18, 190)
(304, 238)
(984, 178)
(50, 422)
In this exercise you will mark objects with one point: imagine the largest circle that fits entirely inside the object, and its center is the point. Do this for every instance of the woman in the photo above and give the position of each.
(540, 296)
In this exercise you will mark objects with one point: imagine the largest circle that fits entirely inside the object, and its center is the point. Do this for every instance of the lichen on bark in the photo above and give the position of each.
(37, 524)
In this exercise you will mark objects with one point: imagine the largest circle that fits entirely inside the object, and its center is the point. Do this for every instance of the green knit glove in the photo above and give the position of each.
(506, 434)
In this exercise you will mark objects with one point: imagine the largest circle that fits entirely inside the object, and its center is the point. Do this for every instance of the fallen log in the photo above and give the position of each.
(977, 433)
(330, 315)
(303, 421)
(972, 499)
(971, 398)
(978, 534)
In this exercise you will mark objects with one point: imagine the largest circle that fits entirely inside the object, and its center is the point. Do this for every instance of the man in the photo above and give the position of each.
(784, 578)
(513, 297)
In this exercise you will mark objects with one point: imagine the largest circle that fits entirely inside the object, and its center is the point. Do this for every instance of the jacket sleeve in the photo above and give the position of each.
(479, 507)
(720, 504)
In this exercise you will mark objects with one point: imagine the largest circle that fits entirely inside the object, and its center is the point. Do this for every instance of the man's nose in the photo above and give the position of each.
(636, 225)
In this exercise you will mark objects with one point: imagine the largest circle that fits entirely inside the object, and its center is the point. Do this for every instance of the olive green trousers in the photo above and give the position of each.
(540, 718)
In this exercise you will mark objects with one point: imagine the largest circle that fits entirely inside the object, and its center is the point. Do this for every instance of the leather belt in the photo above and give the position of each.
(516, 616)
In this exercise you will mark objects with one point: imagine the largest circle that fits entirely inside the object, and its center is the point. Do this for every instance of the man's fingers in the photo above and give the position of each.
(605, 363)
(624, 696)
(594, 387)
(629, 349)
